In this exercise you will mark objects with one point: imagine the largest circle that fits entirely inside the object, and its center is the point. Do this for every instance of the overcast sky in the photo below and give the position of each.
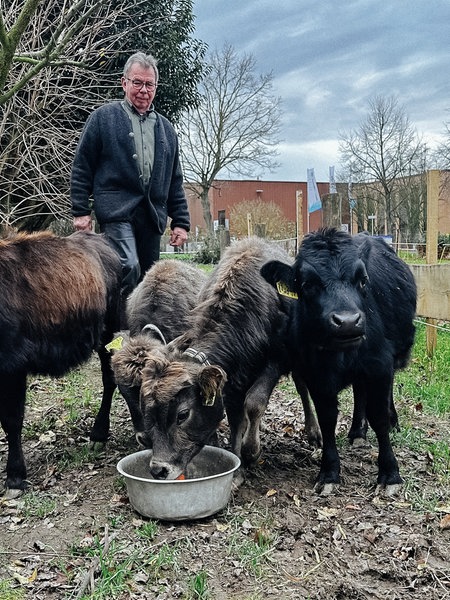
(330, 57)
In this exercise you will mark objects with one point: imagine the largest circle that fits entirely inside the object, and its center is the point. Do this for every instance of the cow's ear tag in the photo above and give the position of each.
(283, 290)
(115, 344)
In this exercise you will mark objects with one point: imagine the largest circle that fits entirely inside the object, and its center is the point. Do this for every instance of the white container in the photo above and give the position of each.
(205, 491)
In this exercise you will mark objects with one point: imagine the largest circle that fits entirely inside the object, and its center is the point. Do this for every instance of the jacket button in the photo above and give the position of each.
(135, 156)
(131, 134)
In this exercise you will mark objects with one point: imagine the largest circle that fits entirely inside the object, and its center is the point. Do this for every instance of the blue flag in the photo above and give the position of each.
(314, 202)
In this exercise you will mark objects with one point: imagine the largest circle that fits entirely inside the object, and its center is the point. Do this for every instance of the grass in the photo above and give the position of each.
(144, 558)
(38, 506)
(9, 591)
(251, 540)
(426, 381)
(198, 586)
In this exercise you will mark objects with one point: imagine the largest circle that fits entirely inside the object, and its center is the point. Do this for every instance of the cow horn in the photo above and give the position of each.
(153, 328)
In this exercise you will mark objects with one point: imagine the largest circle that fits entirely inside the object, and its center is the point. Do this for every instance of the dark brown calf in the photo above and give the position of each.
(162, 303)
(59, 302)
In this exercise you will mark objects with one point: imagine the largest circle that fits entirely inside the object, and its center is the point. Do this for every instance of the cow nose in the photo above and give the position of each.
(347, 323)
(159, 471)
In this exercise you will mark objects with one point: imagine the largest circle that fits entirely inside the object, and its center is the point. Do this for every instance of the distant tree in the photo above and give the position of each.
(267, 220)
(382, 155)
(442, 153)
(234, 127)
(58, 61)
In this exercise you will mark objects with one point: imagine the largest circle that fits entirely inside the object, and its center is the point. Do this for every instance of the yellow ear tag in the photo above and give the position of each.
(283, 290)
(115, 344)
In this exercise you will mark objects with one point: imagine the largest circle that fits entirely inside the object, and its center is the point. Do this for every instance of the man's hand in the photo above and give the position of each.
(178, 236)
(83, 223)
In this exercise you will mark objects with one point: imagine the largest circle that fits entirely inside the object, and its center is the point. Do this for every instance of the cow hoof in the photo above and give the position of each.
(97, 447)
(388, 491)
(360, 442)
(238, 480)
(12, 493)
(314, 438)
(325, 489)
(250, 457)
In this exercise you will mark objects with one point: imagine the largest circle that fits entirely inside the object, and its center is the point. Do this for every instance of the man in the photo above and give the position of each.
(127, 163)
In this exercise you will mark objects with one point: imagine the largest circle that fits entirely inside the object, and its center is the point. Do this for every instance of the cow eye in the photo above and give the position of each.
(363, 282)
(182, 416)
(310, 287)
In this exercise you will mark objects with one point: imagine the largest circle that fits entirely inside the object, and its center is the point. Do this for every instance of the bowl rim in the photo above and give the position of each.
(179, 481)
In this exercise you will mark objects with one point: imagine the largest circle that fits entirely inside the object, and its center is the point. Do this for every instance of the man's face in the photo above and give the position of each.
(139, 95)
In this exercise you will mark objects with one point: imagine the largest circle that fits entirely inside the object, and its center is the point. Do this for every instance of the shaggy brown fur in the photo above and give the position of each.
(59, 303)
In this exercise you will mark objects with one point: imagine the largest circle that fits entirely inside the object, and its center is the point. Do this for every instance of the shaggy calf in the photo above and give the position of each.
(168, 291)
(231, 357)
(60, 301)
(157, 312)
(352, 325)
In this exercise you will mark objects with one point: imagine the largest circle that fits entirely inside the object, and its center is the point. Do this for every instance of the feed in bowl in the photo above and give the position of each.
(205, 490)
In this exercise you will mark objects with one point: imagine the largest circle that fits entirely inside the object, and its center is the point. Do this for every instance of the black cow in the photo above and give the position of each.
(353, 325)
(232, 356)
(59, 302)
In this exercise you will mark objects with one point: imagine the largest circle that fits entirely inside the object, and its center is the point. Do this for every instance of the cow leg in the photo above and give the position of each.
(393, 416)
(312, 428)
(100, 430)
(327, 414)
(12, 410)
(131, 396)
(358, 430)
(256, 401)
(379, 408)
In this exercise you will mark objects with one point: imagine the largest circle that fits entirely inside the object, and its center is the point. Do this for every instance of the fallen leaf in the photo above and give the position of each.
(23, 580)
(445, 522)
(271, 492)
(326, 513)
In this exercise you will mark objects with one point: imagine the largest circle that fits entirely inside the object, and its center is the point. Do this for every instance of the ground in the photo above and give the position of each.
(276, 539)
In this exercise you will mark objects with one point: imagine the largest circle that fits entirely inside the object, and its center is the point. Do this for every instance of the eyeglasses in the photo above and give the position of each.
(138, 84)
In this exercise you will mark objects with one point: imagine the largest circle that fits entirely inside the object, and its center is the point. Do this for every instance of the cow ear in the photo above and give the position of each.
(128, 362)
(280, 275)
(211, 379)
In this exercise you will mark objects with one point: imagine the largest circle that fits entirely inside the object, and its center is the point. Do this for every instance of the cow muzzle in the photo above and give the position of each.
(162, 470)
(347, 329)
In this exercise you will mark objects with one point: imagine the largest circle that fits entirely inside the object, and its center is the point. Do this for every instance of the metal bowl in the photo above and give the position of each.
(205, 491)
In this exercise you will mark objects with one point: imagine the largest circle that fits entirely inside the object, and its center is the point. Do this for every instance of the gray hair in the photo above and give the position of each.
(146, 61)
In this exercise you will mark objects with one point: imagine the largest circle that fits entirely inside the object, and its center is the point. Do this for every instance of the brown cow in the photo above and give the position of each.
(59, 303)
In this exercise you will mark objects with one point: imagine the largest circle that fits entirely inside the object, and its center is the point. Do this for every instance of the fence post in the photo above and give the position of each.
(433, 181)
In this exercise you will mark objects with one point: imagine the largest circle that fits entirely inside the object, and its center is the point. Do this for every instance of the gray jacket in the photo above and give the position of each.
(106, 169)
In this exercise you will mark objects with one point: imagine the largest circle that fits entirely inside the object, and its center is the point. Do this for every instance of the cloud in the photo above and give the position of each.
(330, 59)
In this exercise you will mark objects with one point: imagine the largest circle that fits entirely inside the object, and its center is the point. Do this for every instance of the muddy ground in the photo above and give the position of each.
(351, 545)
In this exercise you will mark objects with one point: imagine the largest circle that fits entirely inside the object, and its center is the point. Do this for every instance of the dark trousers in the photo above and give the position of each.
(137, 244)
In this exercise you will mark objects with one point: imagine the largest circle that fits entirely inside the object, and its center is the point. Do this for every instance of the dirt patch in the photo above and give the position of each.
(351, 545)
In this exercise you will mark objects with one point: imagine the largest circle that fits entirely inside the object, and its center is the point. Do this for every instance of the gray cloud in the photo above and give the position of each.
(329, 59)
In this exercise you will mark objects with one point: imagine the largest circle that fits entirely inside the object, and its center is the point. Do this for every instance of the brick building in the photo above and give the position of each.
(225, 194)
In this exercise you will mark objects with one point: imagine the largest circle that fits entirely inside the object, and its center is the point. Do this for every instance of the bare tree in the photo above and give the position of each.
(234, 127)
(442, 153)
(383, 154)
(58, 61)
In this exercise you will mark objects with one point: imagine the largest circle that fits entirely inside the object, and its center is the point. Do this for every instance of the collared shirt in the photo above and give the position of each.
(144, 139)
